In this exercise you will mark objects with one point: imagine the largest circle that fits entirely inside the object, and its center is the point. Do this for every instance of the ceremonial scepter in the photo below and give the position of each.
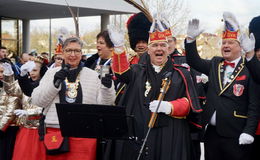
(165, 86)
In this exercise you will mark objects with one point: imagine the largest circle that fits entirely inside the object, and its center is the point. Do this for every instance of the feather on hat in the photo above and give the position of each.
(231, 27)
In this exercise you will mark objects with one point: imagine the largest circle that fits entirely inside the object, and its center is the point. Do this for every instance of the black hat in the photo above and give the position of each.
(138, 29)
(254, 27)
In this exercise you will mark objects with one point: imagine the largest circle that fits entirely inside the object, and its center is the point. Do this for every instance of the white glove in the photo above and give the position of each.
(245, 138)
(204, 78)
(193, 30)
(8, 71)
(20, 112)
(165, 107)
(247, 43)
(27, 67)
(231, 19)
(116, 36)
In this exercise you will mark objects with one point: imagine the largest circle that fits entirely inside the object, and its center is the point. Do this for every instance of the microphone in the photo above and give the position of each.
(58, 81)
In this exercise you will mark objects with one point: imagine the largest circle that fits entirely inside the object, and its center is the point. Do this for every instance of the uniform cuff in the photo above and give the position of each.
(180, 108)
(120, 63)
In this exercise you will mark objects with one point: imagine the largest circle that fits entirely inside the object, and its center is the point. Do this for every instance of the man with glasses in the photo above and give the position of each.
(71, 84)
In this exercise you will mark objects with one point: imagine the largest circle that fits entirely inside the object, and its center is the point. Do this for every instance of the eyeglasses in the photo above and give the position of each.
(59, 58)
(70, 51)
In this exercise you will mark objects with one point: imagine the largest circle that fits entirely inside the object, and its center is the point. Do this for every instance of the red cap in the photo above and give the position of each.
(168, 32)
(232, 35)
(58, 49)
(157, 37)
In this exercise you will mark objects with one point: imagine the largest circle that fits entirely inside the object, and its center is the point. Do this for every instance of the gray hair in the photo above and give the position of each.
(72, 40)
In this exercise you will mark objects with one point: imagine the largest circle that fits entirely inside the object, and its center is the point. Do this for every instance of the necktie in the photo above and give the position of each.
(226, 63)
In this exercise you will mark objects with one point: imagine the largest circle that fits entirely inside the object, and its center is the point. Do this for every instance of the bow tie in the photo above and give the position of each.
(226, 63)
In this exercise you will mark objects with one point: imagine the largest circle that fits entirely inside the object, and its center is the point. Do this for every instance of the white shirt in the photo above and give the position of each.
(229, 70)
(157, 69)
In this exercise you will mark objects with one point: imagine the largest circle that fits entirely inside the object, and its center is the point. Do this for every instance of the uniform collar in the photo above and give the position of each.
(235, 61)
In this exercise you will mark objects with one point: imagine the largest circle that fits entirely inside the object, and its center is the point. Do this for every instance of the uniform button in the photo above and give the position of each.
(146, 153)
(146, 148)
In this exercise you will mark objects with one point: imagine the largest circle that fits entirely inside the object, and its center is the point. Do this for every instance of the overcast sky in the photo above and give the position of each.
(209, 13)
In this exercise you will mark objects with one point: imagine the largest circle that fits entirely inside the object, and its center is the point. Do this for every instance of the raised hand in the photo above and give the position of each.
(27, 67)
(8, 71)
(116, 36)
(194, 30)
(247, 42)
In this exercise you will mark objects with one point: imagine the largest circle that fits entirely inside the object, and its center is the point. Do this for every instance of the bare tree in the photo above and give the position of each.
(177, 12)
(75, 18)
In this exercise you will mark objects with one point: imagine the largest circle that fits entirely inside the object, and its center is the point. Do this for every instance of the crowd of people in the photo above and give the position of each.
(215, 102)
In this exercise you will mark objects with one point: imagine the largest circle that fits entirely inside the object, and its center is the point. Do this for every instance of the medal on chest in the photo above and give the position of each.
(98, 68)
(71, 90)
(238, 89)
(148, 88)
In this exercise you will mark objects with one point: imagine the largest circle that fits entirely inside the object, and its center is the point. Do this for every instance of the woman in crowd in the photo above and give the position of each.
(36, 70)
(8, 104)
(27, 143)
(58, 59)
(75, 85)
(104, 47)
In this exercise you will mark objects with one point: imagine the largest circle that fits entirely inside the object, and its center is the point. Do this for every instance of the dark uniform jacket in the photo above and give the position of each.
(170, 137)
(254, 67)
(236, 103)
